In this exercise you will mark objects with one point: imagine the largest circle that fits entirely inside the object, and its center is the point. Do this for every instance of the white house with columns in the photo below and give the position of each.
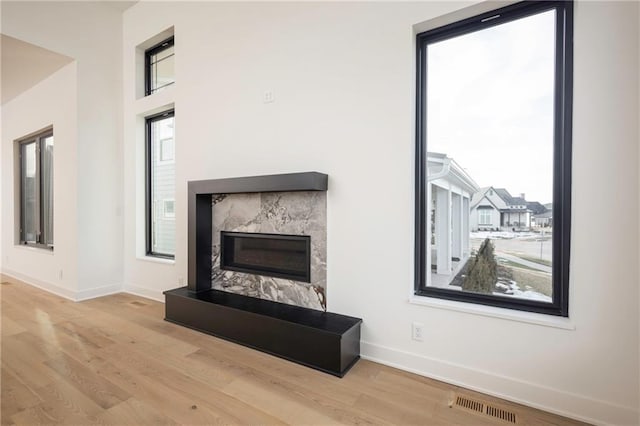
(449, 191)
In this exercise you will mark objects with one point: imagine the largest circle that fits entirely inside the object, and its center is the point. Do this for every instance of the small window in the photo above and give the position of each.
(36, 190)
(494, 108)
(160, 211)
(169, 209)
(159, 66)
(166, 149)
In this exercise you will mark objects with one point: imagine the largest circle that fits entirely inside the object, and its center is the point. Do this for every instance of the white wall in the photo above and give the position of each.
(53, 101)
(343, 77)
(89, 32)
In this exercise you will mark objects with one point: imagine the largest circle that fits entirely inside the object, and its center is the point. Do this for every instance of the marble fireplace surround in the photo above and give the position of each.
(292, 203)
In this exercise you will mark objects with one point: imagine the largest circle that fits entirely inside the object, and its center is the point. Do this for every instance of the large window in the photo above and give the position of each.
(161, 226)
(36, 190)
(159, 66)
(493, 148)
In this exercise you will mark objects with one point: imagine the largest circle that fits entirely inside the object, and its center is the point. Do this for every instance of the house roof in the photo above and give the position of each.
(478, 196)
(508, 199)
(512, 201)
(536, 207)
(504, 194)
(450, 170)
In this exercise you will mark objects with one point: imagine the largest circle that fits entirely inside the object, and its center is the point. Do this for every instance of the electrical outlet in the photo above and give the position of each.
(417, 331)
(60, 275)
(268, 97)
(180, 281)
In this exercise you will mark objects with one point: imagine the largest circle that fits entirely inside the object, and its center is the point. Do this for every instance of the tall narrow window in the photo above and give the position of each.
(161, 227)
(36, 190)
(493, 140)
(159, 66)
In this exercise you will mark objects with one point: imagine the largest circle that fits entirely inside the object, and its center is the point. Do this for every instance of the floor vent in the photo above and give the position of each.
(499, 413)
(470, 404)
(485, 409)
(136, 303)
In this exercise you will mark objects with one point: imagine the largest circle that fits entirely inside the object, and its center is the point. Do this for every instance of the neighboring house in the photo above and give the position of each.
(496, 209)
(449, 192)
(543, 219)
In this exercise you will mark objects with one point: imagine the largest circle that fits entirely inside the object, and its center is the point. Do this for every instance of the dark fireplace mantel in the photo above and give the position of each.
(200, 220)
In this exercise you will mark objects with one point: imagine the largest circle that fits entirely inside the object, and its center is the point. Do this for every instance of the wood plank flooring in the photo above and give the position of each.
(115, 361)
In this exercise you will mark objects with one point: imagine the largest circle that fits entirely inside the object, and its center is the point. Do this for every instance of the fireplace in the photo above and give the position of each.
(274, 228)
(274, 255)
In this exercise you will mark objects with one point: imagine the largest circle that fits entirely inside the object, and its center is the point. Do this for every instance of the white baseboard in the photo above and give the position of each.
(92, 293)
(530, 394)
(43, 285)
(147, 293)
(75, 296)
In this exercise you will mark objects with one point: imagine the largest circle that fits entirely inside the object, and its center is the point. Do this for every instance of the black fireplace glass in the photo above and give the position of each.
(275, 255)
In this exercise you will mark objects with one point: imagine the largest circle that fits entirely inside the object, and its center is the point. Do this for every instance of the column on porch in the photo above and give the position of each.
(456, 226)
(443, 230)
(430, 191)
(466, 215)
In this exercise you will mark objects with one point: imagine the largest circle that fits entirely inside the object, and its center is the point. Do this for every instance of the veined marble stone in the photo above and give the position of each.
(292, 213)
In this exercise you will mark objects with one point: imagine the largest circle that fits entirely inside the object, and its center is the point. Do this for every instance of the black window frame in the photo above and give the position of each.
(148, 181)
(562, 148)
(163, 45)
(38, 139)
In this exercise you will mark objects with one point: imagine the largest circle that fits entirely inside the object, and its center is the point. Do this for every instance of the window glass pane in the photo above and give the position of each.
(164, 74)
(161, 69)
(28, 194)
(166, 149)
(46, 188)
(490, 135)
(162, 54)
(162, 188)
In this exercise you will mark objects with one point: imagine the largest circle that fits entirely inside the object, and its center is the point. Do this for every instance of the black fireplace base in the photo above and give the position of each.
(321, 340)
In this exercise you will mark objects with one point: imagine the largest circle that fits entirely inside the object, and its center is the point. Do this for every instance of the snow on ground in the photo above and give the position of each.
(502, 286)
(499, 235)
(512, 289)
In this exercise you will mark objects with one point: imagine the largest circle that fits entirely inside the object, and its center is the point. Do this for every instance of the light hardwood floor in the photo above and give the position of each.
(115, 361)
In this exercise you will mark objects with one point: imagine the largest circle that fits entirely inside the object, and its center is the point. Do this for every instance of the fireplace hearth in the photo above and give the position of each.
(257, 270)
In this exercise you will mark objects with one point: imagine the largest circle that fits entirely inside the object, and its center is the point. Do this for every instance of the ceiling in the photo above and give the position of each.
(23, 65)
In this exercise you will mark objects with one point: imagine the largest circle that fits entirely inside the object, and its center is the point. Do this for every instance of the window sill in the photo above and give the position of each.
(490, 311)
(154, 259)
(33, 249)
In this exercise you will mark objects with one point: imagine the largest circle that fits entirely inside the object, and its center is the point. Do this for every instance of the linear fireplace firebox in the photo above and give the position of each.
(275, 255)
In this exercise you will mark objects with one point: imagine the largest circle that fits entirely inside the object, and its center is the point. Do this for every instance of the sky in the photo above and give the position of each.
(490, 104)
